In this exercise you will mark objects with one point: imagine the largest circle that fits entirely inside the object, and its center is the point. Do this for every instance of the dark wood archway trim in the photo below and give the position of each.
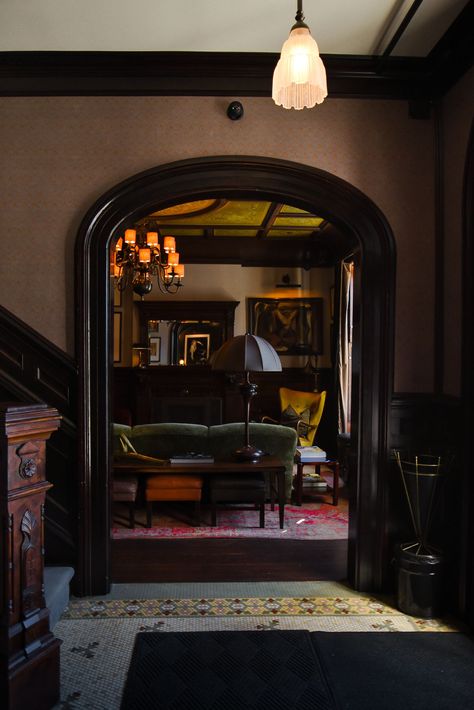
(233, 177)
(467, 386)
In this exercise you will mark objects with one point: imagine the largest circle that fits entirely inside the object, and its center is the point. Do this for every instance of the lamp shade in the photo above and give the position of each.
(299, 79)
(246, 353)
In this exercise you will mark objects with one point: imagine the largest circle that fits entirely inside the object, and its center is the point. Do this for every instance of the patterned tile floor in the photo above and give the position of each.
(98, 632)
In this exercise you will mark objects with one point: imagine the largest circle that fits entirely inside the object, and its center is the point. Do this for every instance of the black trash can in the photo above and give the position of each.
(419, 583)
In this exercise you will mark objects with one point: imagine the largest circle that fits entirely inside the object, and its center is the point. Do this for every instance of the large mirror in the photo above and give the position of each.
(184, 332)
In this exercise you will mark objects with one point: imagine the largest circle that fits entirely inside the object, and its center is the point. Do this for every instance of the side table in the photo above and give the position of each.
(330, 463)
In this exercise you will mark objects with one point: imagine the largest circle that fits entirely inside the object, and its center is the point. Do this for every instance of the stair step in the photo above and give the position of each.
(56, 591)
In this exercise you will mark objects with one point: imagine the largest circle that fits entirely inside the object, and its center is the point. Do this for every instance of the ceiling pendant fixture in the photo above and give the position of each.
(139, 258)
(299, 79)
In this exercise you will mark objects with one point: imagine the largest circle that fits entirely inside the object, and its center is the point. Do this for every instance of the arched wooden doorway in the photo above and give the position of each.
(232, 177)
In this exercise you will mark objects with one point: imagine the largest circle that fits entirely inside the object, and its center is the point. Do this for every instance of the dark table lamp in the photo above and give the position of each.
(245, 354)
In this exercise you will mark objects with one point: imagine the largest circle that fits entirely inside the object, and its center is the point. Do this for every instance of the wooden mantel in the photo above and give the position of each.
(29, 658)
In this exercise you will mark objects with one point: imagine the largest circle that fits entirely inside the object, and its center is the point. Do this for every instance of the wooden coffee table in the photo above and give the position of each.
(268, 464)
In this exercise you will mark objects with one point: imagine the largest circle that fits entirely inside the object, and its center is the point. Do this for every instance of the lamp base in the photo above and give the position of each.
(249, 453)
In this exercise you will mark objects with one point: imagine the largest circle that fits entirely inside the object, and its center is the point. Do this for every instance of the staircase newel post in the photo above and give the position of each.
(29, 653)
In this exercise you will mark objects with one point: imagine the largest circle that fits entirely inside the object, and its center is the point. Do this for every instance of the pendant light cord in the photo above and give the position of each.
(299, 17)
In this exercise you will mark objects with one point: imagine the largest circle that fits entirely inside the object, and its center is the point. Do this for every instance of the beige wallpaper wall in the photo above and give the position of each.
(458, 114)
(59, 154)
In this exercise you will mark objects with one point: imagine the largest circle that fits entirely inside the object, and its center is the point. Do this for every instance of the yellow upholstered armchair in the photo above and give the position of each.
(302, 411)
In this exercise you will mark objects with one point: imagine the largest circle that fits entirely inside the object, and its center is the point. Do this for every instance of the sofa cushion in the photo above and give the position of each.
(166, 440)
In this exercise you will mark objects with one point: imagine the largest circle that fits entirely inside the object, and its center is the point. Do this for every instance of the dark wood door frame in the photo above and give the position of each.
(239, 177)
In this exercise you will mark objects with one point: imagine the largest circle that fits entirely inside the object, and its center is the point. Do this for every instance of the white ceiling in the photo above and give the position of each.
(360, 27)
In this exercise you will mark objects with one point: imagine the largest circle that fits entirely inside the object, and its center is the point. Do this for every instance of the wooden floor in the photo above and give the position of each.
(228, 560)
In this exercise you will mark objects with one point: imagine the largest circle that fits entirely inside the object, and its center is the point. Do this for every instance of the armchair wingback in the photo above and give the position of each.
(302, 410)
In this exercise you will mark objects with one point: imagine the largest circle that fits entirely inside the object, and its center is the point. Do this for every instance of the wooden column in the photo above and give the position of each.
(29, 653)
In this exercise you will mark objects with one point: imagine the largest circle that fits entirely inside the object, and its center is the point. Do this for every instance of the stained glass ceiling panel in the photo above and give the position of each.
(233, 212)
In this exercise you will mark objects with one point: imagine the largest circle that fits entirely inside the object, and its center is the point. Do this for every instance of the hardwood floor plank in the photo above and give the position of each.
(224, 560)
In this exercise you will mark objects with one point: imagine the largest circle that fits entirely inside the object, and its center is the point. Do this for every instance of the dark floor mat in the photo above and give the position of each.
(226, 670)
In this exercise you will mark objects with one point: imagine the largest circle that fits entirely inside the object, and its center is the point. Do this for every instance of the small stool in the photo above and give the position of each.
(178, 487)
(330, 463)
(124, 490)
(237, 489)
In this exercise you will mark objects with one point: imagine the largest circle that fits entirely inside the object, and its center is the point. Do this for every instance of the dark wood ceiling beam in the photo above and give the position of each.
(401, 29)
(254, 252)
(196, 74)
(272, 213)
(454, 53)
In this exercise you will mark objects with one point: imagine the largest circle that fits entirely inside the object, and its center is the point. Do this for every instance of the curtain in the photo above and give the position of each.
(344, 353)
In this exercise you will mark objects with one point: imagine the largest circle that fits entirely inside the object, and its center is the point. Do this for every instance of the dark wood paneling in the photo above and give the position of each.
(30, 361)
(136, 389)
(32, 369)
(228, 560)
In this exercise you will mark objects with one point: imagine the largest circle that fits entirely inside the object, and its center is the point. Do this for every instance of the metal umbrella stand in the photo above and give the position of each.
(419, 563)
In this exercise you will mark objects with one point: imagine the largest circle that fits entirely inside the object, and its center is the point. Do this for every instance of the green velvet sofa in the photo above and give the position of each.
(164, 440)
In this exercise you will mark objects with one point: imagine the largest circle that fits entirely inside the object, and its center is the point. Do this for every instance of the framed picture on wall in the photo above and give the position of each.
(196, 348)
(154, 344)
(294, 326)
(117, 337)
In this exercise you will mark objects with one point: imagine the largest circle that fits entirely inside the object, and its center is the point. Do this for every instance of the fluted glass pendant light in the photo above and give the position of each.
(299, 79)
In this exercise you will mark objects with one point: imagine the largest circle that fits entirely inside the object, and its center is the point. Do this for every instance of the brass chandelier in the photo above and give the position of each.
(138, 258)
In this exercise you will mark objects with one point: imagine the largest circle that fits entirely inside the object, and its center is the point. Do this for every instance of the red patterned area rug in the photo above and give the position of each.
(310, 522)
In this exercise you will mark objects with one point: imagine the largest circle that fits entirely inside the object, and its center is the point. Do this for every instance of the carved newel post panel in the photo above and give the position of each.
(29, 671)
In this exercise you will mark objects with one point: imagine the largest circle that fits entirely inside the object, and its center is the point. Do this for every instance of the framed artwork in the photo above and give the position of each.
(154, 344)
(196, 348)
(294, 326)
(117, 337)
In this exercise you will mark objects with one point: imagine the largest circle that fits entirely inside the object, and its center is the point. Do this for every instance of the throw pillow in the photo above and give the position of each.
(297, 420)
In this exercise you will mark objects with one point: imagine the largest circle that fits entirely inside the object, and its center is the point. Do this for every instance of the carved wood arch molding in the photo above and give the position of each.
(239, 177)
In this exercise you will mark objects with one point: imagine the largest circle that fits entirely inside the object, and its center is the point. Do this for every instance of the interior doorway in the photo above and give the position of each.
(308, 188)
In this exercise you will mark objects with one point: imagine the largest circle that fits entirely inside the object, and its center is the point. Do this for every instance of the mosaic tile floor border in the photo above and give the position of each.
(350, 606)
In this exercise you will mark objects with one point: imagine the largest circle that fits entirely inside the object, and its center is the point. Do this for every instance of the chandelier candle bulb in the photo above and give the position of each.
(152, 239)
(144, 255)
(130, 236)
(169, 244)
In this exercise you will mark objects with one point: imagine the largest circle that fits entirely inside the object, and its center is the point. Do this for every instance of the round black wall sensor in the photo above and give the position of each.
(235, 110)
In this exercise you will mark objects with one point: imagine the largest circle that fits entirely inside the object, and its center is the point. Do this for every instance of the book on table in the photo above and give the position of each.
(192, 457)
(314, 482)
(310, 454)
